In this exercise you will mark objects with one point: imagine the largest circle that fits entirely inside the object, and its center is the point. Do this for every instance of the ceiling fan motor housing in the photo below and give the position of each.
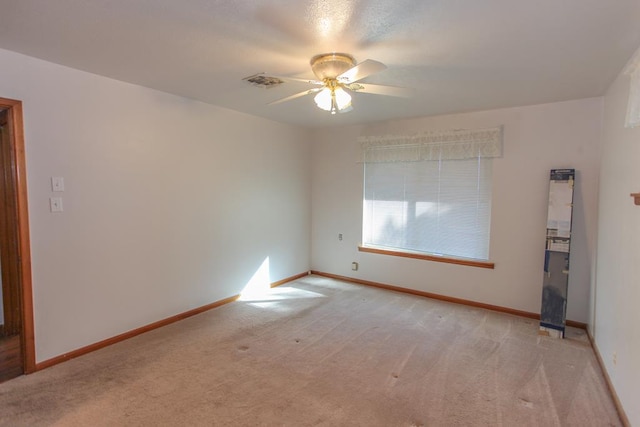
(331, 65)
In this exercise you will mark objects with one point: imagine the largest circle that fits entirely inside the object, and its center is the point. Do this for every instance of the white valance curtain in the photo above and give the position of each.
(438, 145)
(633, 108)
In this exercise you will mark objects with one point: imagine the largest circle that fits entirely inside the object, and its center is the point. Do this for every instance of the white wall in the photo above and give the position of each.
(536, 139)
(618, 262)
(170, 204)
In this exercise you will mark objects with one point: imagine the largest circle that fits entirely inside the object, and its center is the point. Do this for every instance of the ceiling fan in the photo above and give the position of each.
(338, 75)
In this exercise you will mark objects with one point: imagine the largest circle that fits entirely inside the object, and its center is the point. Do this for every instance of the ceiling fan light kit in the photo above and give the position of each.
(333, 99)
(331, 65)
(338, 74)
(327, 67)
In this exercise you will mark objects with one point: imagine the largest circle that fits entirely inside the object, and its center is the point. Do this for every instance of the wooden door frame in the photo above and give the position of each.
(14, 110)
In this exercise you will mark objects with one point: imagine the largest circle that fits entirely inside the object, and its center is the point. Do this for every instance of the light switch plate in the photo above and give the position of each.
(55, 204)
(57, 183)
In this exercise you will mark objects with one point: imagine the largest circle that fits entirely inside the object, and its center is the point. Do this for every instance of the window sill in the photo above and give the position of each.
(427, 257)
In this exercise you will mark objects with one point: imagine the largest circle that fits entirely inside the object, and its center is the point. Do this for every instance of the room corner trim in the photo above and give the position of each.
(616, 400)
(141, 330)
(130, 334)
(445, 298)
(290, 279)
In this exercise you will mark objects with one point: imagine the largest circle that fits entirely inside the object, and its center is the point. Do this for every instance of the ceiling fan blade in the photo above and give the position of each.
(402, 92)
(360, 71)
(296, 95)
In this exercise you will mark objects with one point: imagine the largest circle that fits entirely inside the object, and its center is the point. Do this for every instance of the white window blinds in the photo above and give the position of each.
(430, 193)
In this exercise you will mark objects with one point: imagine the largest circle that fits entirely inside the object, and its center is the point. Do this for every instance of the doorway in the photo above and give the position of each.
(17, 355)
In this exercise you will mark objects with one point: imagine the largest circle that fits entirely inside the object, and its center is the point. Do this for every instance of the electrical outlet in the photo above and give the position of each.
(354, 266)
(615, 358)
(340, 236)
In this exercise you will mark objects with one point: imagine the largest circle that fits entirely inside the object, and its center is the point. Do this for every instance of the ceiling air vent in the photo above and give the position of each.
(261, 80)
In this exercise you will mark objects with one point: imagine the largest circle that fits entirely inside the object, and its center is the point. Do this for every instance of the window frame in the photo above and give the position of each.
(481, 144)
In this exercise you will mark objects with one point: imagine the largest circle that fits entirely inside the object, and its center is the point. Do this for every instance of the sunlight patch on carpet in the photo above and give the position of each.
(258, 290)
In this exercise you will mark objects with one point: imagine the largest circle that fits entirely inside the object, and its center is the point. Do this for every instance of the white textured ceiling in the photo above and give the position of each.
(457, 55)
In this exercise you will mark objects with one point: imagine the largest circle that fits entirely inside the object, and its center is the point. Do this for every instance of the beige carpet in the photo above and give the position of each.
(323, 352)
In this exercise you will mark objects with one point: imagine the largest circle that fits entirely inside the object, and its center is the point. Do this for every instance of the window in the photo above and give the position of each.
(430, 193)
